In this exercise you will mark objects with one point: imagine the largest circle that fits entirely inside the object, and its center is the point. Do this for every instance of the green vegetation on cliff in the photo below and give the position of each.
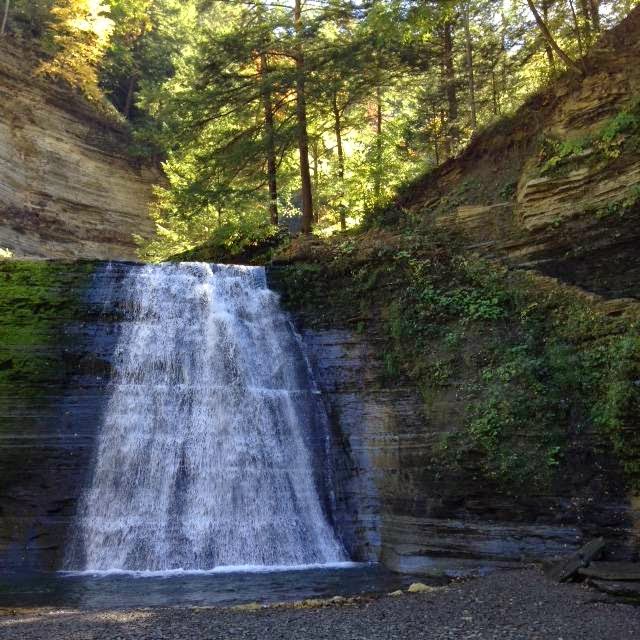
(540, 374)
(307, 112)
(38, 301)
(619, 135)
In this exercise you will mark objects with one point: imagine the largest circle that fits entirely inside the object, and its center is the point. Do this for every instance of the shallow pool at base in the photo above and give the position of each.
(114, 591)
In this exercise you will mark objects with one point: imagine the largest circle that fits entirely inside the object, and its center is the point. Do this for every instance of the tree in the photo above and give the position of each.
(269, 138)
(301, 117)
(80, 32)
(546, 34)
(126, 59)
(316, 111)
(5, 17)
(470, 70)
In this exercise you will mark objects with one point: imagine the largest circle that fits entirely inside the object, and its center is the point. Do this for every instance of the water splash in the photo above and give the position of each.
(207, 453)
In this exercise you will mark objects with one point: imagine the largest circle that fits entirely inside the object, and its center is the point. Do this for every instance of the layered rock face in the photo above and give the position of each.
(57, 336)
(414, 518)
(67, 188)
(56, 340)
(576, 221)
(577, 225)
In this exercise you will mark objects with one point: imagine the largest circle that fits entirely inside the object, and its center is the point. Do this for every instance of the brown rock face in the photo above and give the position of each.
(67, 188)
(577, 222)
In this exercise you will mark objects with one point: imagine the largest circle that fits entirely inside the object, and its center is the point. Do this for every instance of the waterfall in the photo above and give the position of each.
(208, 455)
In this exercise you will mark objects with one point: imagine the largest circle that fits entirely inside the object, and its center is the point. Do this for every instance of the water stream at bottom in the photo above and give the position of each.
(127, 590)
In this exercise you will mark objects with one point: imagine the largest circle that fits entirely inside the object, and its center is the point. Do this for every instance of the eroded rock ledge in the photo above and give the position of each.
(67, 188)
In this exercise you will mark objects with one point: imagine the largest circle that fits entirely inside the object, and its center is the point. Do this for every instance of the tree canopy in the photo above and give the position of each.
(301, 112)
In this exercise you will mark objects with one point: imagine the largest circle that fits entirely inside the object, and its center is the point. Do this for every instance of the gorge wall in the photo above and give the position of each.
(67, 188)
(519, 198)
(394, 501)
(57, 335)
(550, 199)
(415, 510)
(555, 187)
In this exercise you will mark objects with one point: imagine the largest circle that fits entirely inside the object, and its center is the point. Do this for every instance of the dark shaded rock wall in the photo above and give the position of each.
(408, 517)
(54, 363)
(57, 335)
(415, 508)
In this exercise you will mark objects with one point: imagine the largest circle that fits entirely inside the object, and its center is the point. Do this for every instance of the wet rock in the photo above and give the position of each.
(419, 587)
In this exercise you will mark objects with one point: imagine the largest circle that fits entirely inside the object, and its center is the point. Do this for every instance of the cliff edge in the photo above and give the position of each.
(67, 187)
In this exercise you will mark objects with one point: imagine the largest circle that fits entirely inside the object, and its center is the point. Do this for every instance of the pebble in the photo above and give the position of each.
(503, 606)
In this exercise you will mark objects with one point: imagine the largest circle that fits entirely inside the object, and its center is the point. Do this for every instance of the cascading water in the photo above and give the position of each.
(207, 452)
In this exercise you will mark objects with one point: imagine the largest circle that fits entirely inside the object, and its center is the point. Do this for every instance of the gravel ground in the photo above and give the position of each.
(519, 605)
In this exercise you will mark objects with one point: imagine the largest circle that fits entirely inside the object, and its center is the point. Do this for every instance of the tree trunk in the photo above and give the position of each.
(269, 140)
(548, 50)
(449, 81)
(546, 34)
(595, 15)
(446, 138)
(494, 93)
(315, 154)
(5, 17)
(301, 115)
(128, 104)
(503, 53)
(436, 146)
(576, 24)
(449, 71)
(337, 126)
(471, 79)
(585, 10)
(377, 183)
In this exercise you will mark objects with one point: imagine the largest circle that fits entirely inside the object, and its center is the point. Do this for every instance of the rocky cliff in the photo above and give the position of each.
(473, 436)
(478, 350)
(479, 345)
(67, 187)
(56, 340)
(555, 187)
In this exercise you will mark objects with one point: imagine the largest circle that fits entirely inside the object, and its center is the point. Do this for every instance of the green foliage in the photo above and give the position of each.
(620, 133)
(36, 300)
(508, 191)
(536, 370)
(625, 122)
(557, 152)
(615, 364)
(78, 33)
(392, 90)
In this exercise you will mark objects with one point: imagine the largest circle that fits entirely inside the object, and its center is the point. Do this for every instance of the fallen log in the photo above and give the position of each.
(624, 589)
(612, 571)
(567, 569)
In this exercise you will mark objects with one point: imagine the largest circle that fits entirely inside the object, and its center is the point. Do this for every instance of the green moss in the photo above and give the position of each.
(37, 299)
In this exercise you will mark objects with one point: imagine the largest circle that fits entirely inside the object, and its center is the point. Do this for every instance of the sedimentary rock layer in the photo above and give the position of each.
(55, 354)
(415, 520)
(67, 188)
(576, 220)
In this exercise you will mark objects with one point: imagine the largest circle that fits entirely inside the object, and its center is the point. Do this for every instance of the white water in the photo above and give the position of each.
(206, 457)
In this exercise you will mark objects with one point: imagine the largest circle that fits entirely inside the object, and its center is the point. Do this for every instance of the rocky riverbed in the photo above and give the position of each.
(520, 605)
